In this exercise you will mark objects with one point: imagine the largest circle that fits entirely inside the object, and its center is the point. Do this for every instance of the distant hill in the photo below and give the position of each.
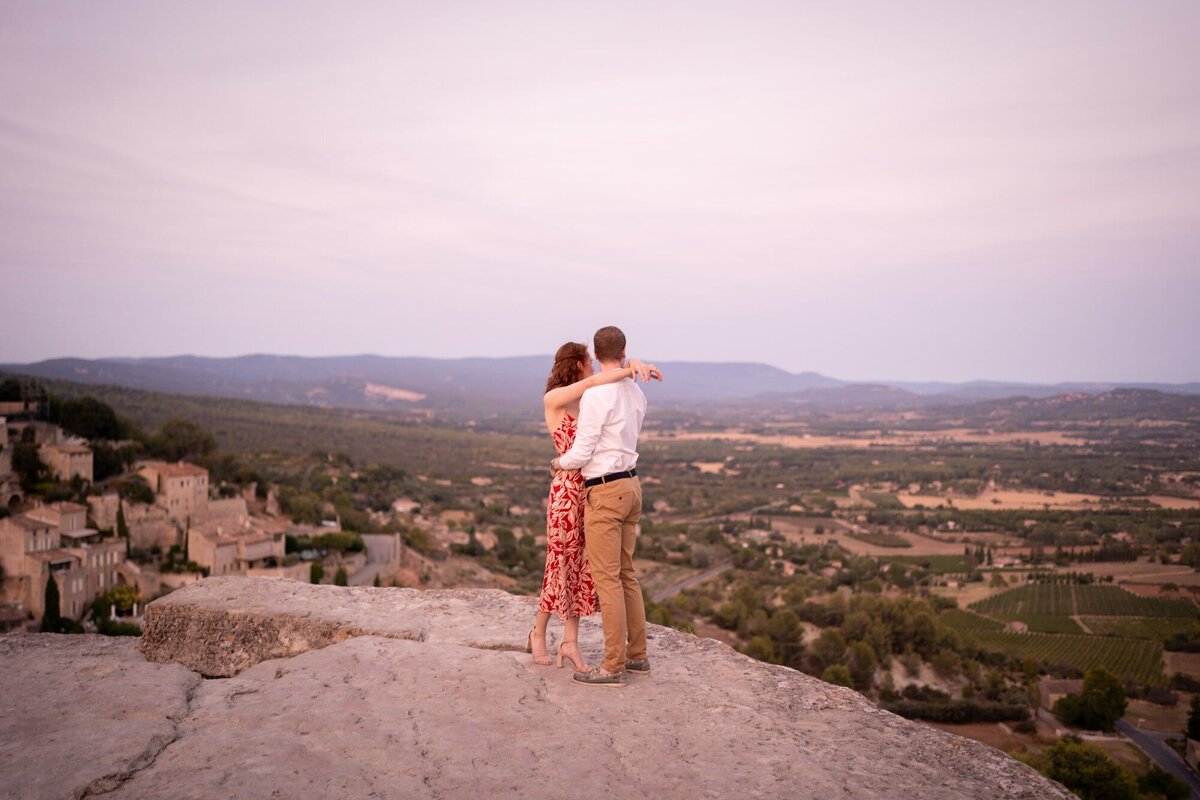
(505, 386)
(469, 385)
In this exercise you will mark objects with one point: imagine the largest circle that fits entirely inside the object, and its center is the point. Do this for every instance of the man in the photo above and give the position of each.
(605, 452)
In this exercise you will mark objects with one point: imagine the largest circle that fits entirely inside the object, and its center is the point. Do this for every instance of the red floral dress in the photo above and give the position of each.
(567, 588)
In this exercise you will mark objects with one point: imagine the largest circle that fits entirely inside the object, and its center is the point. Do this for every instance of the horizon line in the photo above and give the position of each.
(868, 381)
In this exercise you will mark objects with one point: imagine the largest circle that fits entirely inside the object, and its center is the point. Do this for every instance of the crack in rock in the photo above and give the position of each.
(144, 760)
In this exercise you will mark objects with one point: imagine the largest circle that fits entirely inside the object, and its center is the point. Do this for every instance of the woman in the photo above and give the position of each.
(567, 588)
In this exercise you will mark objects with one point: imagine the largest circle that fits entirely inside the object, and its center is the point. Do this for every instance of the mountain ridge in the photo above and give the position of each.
(513, 383)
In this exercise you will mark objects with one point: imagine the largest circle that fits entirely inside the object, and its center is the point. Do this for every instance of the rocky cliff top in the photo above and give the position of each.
(397, 693)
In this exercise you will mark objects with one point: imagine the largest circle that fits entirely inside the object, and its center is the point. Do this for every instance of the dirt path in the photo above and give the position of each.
(856, 498)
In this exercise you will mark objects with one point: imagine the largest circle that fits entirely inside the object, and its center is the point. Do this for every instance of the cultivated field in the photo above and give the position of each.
(1144, 628)
(917, 545)
(1153, 717)
(1064, 599)
(1004, 500)
(1187, 663)
(1141, 659)
(907, 439)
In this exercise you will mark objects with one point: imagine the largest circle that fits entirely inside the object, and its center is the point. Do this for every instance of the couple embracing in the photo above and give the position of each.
(594, 419)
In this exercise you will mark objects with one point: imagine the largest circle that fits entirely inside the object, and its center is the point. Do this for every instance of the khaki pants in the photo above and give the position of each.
(611, 512)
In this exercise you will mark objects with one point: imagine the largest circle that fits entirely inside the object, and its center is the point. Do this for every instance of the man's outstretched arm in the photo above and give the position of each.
(592, 415)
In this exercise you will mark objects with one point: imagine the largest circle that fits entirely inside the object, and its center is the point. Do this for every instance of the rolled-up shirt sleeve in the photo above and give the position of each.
(587, 432)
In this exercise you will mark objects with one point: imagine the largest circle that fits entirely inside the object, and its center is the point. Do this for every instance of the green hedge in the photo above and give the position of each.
(958, 711)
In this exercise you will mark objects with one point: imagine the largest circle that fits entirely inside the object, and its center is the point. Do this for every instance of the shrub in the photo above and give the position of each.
(838, 675)
(1182, 682)
(417, 539)
(112, 627)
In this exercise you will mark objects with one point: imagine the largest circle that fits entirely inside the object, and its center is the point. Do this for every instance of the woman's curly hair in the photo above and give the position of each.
(566, 370)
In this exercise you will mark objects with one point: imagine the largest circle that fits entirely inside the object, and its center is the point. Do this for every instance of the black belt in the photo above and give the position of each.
(612, 476)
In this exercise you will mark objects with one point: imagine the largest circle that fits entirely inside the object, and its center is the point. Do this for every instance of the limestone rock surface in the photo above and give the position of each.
(80, 714)
(389, 693)
(221, 626)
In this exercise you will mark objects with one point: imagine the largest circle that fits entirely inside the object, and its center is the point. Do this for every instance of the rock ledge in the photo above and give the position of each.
(395, 693)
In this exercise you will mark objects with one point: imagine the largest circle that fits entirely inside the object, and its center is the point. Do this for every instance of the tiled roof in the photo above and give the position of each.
(70, 449)
(181, 470)
(29, 523)
(82, 533)
(57, 554)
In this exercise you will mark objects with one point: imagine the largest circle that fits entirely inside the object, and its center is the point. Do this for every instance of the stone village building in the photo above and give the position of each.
(68, 460)
(182, 489)
(10, 487)
(234, 546)
(66, 456)
(54, 540)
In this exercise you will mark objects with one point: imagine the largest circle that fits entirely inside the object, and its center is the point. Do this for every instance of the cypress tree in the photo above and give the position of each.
(52, 618)
(1193, 723)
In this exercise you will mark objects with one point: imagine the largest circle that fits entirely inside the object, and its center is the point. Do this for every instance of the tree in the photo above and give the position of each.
(787, 637)
(1193, 723)
(1098, 707)
(828, 649)
(506, 547)
(52, 617)
(1160, 783)
(28, 464)
(377, 582)
(315, 573)
(135, 489)
(838, 675)
(761, 648)
(90, 418)
(122, 525)
(107, 461)
(861, 662)
(339, 578)
(182, 440)
(1087, 771)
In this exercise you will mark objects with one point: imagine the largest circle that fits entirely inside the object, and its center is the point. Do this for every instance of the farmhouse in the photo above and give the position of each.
(1050, 691)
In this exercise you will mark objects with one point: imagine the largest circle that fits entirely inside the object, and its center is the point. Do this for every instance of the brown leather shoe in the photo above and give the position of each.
(641, 665)
(597, 677)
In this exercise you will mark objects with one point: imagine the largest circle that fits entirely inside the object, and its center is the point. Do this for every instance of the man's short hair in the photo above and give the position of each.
(609, 343)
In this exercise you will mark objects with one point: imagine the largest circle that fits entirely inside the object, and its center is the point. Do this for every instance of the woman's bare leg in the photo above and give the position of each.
(537, 639)
(570, 644)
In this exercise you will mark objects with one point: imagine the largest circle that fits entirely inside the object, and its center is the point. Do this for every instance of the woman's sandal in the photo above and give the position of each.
(540, 660)
(574, 663)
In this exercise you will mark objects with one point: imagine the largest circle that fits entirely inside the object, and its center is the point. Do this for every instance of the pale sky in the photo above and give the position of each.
(871, 190)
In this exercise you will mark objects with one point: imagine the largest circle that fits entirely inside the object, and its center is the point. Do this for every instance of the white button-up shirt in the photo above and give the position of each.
(606, 436)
